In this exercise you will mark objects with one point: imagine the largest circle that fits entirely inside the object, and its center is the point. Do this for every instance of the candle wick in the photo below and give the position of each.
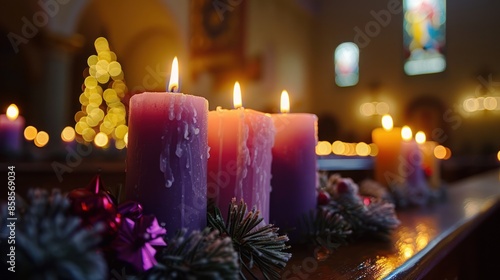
(174, 89)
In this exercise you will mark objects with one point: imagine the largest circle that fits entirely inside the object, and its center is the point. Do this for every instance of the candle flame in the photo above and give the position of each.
(406, 133)
(237, 96)
(387, 122)
(12, 112)
(420, 137)
(173, 85)
(285, 102)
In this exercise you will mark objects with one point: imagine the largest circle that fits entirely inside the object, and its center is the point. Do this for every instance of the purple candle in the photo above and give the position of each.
(11, 131)
(410, 161)
(167, 157)
(294, 168)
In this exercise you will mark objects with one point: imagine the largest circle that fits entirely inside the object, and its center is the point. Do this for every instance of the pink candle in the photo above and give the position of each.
(167, 156)
(239, 166)
(11, 131)
(294, 168)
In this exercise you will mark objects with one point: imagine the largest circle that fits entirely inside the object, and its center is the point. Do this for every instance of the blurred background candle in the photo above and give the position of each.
(11, 132)
(388, 141)
(430, 163)
(239, 165)
(167, 156)
(293, 168)
(410, 161)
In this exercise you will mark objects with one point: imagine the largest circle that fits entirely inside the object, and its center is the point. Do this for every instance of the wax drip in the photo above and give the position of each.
(165, 168)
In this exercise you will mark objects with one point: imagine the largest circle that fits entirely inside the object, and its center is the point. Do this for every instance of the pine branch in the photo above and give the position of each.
(200, 255)
(51, 244)
(327, 228)
(378, 219)
(261, 247)
(381, 218)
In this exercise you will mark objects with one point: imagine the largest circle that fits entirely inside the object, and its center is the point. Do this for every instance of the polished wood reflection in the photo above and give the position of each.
(424, 238)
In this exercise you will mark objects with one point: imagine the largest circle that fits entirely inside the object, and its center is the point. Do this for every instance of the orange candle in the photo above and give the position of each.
(388, 141)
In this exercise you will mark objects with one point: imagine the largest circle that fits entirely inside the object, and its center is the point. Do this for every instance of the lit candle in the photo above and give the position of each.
(410, 160)
(167, 156)
(293, 168)
(239, 166)
(430, 163)
(388, 141)
(11, 131)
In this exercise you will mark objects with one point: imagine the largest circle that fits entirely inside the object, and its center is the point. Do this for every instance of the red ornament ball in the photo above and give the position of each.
(342, 187)
(323, 198)
(93, 204)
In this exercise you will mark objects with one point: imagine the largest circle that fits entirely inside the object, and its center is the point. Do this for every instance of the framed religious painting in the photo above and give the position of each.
(216, 35)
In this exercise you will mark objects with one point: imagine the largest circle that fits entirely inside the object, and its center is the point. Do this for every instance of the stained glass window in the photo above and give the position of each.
(346, 59)
(424, 36)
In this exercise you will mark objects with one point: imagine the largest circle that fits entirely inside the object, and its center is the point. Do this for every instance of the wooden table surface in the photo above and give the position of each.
(426, 234)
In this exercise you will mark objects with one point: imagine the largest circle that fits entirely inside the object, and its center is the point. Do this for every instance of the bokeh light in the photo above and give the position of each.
(470, 105)
(362, 149)
(338, 147)
(350, 149)
(68, 134)
(41, 139)
(490, 103)
(367, 109)
(30, 133)
(101, 140)
(374, 108)
(382, 108)
(323, 148)
(440, 152)
(102, 110)
(447, 154)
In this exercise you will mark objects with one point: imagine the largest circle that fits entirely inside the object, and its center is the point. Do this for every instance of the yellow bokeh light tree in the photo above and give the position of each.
(102, 111)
